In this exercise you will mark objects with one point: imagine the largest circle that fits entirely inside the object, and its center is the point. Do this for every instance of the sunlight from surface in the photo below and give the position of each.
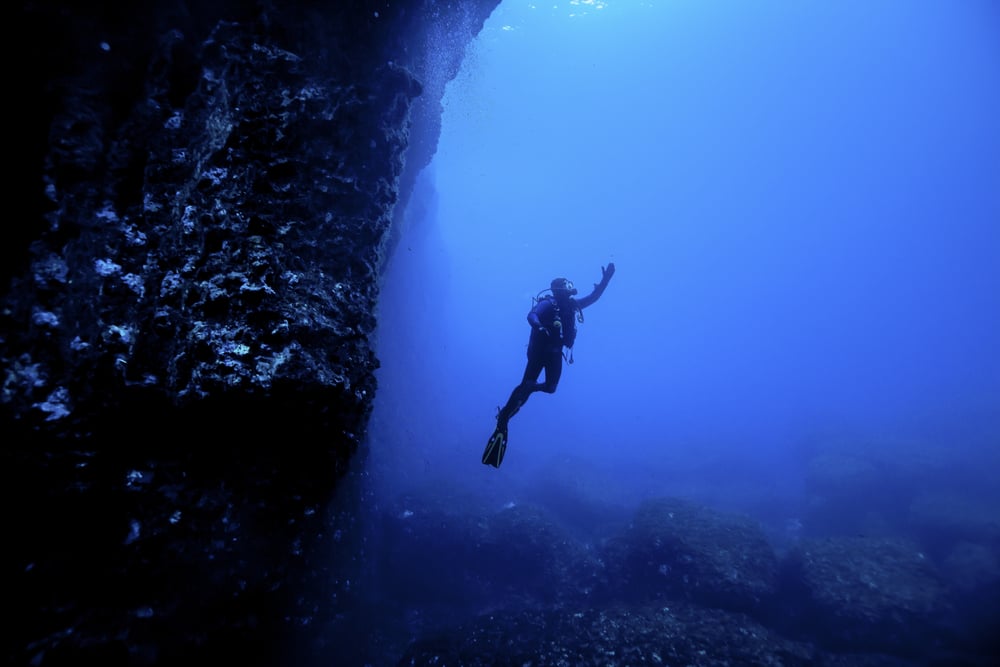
(800, 200)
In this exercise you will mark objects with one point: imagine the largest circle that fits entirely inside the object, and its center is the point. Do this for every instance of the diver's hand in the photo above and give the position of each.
(607, 272)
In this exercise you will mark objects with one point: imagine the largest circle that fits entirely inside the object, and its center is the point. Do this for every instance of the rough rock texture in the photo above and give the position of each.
(661, 591)
(676, 634)
(475, 560)
(209, 194)
(870, 594)
(678, 549)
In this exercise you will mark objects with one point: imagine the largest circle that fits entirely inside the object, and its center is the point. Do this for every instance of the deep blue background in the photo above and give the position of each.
(803, 204)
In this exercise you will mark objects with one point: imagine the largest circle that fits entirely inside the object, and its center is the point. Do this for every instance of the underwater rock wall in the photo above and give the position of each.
(209, 194)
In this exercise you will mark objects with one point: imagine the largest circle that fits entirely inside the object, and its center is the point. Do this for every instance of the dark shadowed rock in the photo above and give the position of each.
(679, 550)
(973, 572)
(669, 635)
(208, 197)
(940, 518)
(868, 594)
(475, 560)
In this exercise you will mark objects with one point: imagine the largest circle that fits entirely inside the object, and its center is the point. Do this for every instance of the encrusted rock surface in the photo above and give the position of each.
(670, 583)
(870, 594)
(674, 634)
(209, 195)
(678, 583)
(678, 549)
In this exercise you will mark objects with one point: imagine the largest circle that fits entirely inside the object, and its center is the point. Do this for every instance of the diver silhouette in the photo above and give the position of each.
(553, 319)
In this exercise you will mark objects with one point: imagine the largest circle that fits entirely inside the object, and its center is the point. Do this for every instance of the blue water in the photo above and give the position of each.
(802, 201)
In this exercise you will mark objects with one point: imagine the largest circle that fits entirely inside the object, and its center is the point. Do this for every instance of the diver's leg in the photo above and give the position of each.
(520, 394)
(553, 371)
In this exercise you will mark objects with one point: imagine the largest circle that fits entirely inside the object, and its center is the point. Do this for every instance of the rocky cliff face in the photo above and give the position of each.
(209, 196)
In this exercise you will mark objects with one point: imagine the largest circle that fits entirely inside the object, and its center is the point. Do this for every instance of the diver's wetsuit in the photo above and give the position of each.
(553, 325)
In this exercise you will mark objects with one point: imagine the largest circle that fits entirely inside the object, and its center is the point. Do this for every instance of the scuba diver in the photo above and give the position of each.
(553, 321)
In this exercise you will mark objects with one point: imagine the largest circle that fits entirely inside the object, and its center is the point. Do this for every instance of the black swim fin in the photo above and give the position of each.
(495, 448)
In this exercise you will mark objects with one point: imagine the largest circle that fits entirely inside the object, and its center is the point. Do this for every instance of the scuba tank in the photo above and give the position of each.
(555, 302)
(557, 319)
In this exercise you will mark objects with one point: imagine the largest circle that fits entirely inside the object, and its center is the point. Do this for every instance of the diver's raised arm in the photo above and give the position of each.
(606, 273)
